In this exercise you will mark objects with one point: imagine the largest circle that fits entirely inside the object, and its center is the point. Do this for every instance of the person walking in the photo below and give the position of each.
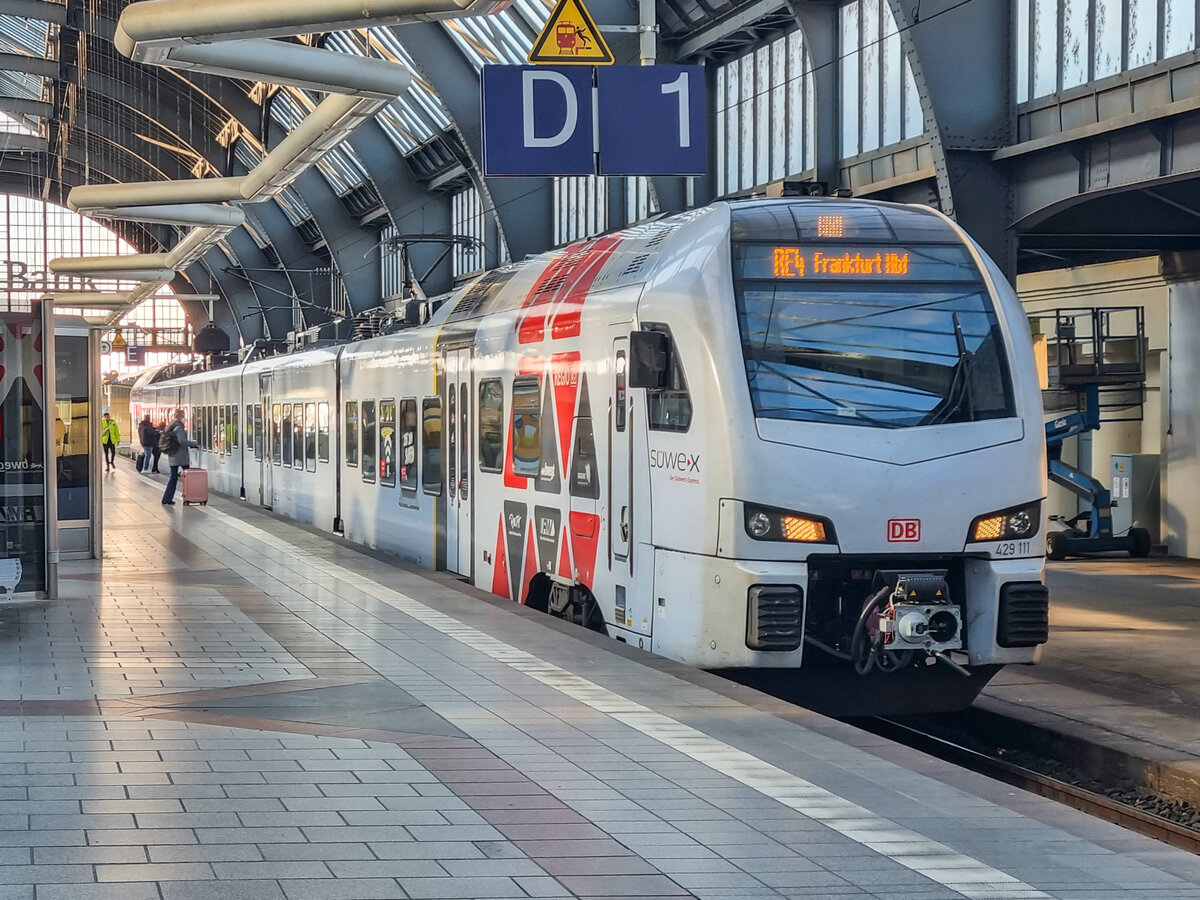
(148, 435)
(110, 436)
(174, 442)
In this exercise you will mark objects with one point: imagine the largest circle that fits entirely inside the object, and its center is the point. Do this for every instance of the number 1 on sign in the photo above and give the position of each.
(680, 86)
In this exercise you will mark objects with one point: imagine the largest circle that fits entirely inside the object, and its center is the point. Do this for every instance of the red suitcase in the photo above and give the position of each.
(195, 486)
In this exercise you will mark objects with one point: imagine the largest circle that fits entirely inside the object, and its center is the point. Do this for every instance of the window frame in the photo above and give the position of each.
(387, 478)
(409, 428)
(276, 434)
(524, 380)
(500, 426)
(431, 488)
(352, 426)
(369, 474)
(310, 436)
(323, 432)
(285, 435)
(298, 436)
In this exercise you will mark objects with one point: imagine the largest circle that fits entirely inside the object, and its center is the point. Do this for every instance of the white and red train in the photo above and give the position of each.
(755, 434)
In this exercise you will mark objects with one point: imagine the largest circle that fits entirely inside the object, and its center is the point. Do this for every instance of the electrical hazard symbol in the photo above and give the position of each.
(570, 37)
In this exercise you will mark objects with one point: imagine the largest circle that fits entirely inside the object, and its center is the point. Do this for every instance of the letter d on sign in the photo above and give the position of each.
(528, 78)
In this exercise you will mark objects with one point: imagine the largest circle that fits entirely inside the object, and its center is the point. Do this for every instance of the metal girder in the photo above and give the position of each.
(31, 65)
(38, 10)
(819, 25)
(19, 106)
(966, 117)
(716, 31)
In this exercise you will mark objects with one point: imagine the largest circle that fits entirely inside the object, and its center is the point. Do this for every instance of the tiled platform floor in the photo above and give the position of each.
(235, 707)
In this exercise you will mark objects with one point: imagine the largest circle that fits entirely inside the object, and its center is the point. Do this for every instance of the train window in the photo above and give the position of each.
(276, 431)
(258, 431)
(249, 428)
(464, 425)
(526, 425)
(368, 441)
(298, 436)
(452, 440)
(351, 425)
(310, 437)
(222, 427)
(233, 428)
(431, 445)
(323, 432)
(585, 480)
(491, 424)
(387, 443)
(619, 391)
(286, 434)
(670, 409)
(408, 445)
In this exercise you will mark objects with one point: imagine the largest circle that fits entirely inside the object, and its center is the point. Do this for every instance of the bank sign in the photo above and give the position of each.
(19, 277)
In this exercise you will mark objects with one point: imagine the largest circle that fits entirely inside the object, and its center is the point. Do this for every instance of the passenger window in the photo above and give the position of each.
(368, 441)
(491, 424)
(387, 443)
(310, 437)
(408, 445)
(431, 443)
(298, 436)
(233, 428)
(249, 428)
(258, 431)
(452, 439)
(323, 432)
(351, 425)
(619, 392)
(526, 425)
(464, 425)
(286, 436)
(670, 409)
(222, 428)
(276, 429)
(585, 481)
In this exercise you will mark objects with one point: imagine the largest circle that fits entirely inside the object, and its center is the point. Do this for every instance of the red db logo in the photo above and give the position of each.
(904, 530)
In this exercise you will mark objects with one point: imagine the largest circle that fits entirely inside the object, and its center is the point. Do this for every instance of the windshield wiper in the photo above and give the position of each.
(959, 392)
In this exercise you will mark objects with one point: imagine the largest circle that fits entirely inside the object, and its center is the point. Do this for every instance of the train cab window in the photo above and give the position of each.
(285, 435)
(323, 432)
(387, 443)
(408, 445)
(619, 391)
(368, 441)
(310, 437)
(350, 423)
(258, 431)
(491, 424)
(526, 425)
(233, 428)
(431, 445)
(276, 433)
(670, 409)
(298, 436)
(585, 475)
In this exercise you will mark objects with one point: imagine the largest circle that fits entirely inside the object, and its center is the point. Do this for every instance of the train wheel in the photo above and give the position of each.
(1056, 545)
(1142, 542)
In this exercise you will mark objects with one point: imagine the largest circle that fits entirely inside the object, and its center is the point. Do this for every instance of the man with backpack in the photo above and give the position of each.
(110, 437)
(148, 435)
(174, 442)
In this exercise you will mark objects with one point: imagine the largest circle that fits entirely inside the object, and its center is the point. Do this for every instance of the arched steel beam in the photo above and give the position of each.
(966, 118)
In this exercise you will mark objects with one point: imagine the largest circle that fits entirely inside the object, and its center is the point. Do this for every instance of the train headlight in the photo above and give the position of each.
(1008, 524)
(766, 524)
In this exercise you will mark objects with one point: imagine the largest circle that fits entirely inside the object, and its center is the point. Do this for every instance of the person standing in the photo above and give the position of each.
(148, 435)
(110, 436)
(174, 442)
(159, 428)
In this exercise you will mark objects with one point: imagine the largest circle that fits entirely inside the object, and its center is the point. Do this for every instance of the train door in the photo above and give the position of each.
(460, 488)
(620, 511)
(266, 470)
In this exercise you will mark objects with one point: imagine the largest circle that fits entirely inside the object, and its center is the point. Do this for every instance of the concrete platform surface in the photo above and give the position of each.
(232, 706)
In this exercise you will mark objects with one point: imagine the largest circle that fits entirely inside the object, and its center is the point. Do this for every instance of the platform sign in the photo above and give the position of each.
(135, 356)
(652, 120)
(537, 120)
(649, 120)
(570, 38)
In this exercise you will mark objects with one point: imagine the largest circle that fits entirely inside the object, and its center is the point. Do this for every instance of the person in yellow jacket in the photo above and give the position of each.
(110, 436)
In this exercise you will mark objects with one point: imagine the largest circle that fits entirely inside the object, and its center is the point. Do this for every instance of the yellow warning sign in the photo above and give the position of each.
(570, 37)
(118, 341)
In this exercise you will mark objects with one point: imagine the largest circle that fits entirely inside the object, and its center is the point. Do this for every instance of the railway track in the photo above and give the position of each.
(1094, 803)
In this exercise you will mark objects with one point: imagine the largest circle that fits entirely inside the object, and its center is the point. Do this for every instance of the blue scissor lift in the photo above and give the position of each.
(1096, 364)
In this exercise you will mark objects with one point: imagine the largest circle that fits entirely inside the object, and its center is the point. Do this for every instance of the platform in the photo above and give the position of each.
(1121, 663)
(232, 706)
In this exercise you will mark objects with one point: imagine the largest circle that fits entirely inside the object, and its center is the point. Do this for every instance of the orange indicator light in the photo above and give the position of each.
(990, 529)
(797, 528)
(831, 226)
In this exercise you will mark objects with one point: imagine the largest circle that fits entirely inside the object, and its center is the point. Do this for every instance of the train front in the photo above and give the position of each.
(874, 451)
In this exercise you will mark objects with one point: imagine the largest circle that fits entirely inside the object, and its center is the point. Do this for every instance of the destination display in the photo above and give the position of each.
(837, 262)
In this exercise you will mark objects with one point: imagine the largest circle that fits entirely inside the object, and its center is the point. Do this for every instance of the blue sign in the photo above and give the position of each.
(135, 356)
(652, 120)
(537, 120)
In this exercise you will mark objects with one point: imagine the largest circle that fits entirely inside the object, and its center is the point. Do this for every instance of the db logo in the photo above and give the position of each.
(904, 530)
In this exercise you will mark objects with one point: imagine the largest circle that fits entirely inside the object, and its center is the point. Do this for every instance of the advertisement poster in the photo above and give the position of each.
(22, 474)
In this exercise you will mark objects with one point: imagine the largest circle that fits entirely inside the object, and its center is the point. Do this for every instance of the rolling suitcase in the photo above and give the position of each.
(195, 486)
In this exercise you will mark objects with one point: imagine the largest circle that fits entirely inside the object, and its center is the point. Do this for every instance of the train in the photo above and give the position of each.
(768, 435)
